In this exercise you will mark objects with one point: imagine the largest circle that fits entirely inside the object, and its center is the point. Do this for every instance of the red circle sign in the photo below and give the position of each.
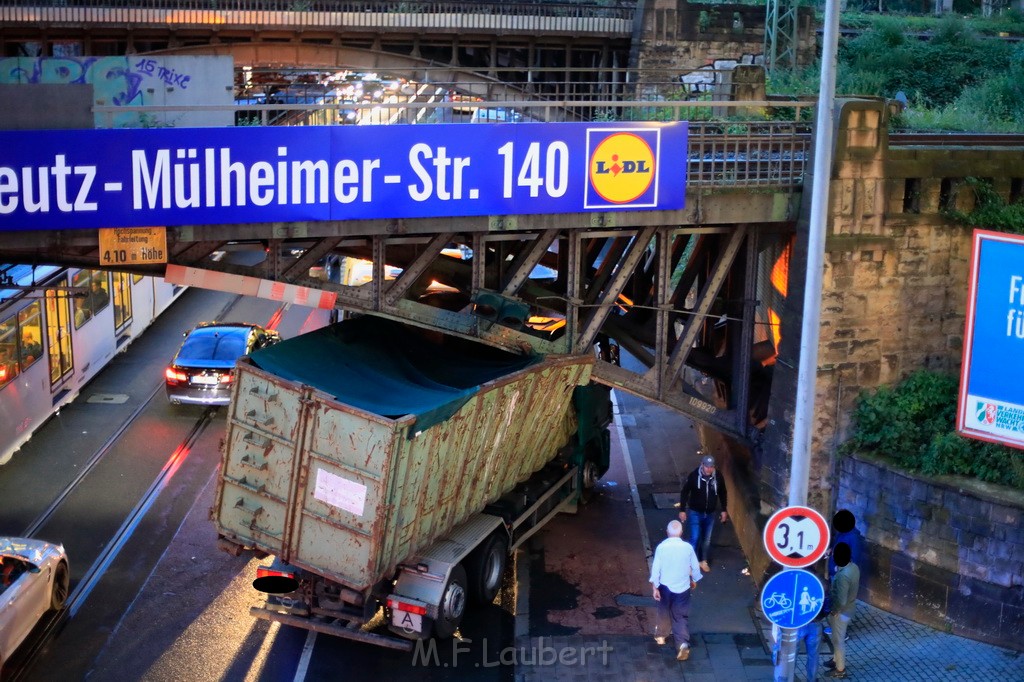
(796, 536)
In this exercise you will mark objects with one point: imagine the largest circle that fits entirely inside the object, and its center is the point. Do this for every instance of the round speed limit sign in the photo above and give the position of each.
(796, 536)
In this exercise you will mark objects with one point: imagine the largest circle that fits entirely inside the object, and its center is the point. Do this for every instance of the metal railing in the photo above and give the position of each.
(611, 19)
(755, 144)
(502, 83)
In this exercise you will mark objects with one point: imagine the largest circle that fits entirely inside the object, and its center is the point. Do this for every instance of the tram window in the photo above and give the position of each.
(96, 299)
(8, 351)
(30, 328)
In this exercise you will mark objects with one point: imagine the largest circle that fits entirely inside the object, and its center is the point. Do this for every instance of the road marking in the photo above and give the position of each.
(307, 654)
(634, 494)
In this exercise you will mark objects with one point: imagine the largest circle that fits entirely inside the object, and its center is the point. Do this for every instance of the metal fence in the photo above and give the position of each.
(731, 144)
(468, 88)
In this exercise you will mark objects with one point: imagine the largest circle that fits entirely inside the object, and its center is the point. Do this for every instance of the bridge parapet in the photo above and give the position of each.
(446, 17)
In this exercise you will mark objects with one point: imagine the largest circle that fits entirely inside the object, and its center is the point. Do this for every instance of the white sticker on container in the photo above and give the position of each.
(340, 492)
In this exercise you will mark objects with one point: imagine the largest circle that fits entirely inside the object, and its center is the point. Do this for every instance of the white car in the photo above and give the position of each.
(34, 579)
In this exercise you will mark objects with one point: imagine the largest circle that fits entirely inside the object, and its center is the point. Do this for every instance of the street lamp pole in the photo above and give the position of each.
(800, 468)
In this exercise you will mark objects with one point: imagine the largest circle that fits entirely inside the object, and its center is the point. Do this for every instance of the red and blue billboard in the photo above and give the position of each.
(991, 405)
(64, 179)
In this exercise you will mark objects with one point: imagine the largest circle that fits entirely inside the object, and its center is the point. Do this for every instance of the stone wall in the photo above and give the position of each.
(893, 301)
(941, 551)
(679, 36)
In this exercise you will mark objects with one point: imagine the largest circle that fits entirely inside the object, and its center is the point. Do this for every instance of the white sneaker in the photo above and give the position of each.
(684, 652)
(704, 566)
(659, 640)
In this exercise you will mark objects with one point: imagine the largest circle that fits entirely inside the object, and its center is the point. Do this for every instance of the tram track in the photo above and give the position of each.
(19, 666)
(31, 649)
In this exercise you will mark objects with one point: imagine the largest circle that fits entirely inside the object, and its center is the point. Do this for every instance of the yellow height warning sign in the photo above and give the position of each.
(133, 245)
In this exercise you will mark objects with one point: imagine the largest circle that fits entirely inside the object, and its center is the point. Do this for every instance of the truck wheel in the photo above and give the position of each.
(486, 568)
(453, 604)
(588, 481)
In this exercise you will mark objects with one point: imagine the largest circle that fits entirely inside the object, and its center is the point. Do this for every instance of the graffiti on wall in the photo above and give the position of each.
(117, 80)
(131, 80)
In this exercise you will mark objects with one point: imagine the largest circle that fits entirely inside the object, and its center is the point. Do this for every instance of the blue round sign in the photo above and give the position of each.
(793, 598)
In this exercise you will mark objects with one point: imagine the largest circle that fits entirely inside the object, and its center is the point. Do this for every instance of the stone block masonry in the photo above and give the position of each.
(953, 560)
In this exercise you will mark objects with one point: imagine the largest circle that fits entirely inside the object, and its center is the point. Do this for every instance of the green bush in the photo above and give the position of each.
(956, 80)
(913, 425)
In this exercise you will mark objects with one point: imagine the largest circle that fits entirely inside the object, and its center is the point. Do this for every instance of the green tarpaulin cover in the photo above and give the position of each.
(390, 369)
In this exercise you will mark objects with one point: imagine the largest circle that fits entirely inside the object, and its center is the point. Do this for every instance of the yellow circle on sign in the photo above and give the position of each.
(622, 168)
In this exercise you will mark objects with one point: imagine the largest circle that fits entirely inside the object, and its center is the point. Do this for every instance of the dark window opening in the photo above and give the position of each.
(912, 195)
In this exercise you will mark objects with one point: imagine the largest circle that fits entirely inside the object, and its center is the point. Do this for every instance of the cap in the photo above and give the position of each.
(707, 461)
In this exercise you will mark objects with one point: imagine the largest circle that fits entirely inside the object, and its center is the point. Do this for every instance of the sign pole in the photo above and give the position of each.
(800, 467)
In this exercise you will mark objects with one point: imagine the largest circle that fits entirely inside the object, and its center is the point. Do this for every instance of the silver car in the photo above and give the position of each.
(34, 579)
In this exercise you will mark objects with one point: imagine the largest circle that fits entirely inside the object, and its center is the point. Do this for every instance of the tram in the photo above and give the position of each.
(58, 327)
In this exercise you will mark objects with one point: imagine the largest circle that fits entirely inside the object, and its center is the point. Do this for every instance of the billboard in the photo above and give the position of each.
(991, 405)
(67, 179)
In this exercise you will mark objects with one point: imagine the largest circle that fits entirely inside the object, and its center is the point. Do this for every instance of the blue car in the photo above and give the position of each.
(203, 370)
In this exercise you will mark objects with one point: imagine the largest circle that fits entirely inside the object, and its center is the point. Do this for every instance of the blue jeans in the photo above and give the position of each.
(810, 635)
(701, 525)
(674, 615)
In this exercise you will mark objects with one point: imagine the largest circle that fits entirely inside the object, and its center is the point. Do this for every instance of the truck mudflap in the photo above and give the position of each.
(332, 629)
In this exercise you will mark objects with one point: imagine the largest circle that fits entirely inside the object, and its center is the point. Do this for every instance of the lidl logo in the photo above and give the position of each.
(622, 168)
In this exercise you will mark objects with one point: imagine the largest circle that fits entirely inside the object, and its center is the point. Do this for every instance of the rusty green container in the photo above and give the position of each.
(349, 494)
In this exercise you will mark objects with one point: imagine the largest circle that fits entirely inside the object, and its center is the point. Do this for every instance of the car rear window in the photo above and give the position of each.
(209, 344)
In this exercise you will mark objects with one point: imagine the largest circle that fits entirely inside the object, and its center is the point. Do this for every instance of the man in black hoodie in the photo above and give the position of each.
(698, 503)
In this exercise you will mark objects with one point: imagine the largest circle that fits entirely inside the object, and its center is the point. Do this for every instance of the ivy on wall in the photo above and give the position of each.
(991, 211)
(913, 425)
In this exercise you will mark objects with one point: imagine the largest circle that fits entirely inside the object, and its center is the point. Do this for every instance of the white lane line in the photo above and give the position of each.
(307, 654)
(634, 494)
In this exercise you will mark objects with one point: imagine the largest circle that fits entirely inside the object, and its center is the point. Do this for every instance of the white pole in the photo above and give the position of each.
(800, 469)
(808, 367)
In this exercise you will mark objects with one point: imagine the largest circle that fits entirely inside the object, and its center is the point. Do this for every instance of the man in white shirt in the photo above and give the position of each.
(674, 574)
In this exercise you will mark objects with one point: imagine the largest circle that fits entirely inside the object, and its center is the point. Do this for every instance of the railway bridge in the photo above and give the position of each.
(706, 299)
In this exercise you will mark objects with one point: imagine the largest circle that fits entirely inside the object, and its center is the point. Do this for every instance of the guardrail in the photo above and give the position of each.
(589, 18)
(731, 144)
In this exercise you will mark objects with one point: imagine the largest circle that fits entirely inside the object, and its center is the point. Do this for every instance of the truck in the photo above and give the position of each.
(384, 468)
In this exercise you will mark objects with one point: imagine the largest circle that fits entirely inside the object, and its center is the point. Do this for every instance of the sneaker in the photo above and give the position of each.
(837, 674)
(684, 652)
(830, 664)
(659, 640)
(704, 566)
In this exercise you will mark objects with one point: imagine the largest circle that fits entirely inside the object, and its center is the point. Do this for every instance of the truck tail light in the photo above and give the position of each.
(227, 378)
(399, 605)
(274, 581)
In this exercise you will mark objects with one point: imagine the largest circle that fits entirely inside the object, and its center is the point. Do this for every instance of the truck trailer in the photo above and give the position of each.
(382, 466)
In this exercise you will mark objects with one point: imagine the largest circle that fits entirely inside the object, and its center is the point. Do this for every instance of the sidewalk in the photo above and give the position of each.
(586, 611)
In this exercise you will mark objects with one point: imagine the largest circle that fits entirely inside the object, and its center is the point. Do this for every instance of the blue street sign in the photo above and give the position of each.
(62, 179)
(991, 405)
(793, 598)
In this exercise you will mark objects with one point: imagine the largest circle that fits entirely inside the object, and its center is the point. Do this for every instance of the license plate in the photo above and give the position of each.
(412, 622)
(205, 380)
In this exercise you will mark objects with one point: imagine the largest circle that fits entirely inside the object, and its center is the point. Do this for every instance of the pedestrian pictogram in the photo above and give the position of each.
(796, 537)
(793, 598)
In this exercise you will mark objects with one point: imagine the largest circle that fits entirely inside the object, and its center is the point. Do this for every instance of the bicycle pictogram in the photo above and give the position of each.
(777, 599)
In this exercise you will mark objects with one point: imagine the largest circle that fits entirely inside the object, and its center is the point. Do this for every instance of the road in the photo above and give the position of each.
(125, 481)
(154, 599)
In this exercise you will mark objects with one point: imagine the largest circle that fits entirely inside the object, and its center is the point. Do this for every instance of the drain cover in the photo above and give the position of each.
(109, 398)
